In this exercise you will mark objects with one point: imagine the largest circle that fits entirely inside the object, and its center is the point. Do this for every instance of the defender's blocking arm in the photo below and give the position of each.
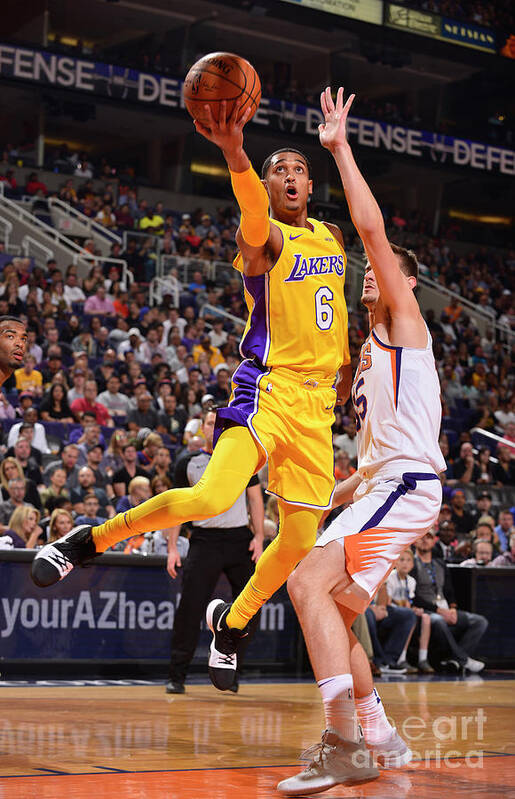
(365, 212)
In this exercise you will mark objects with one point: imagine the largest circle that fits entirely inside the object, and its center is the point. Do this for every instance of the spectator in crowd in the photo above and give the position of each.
(503, 472)
(23, 530)
(458, 630)
(16, 493)
(72, 290)
(132, 344)
(152, 222)
(56, 487)
(54, 364)
(99, 302)
(90, 403)
(35, 186)
(172, 420)
(152, 345)
(147, 454)
(138, 491)
(116, 403)
(86, 486)
(342, 465)
(217, 335)
(28, 378)
(462, 520)
(348, 441)
(485, 532)
(205, 347)
(401, 587)
(445, 546)
(504, 528)
(93, 460)
(483, 506)
(106, 216)
(54, 406)
(485, 467)
(92, 435)
(10, 469)
(162, 466)
(144, 415)
(483, 551)
(465, 469)
(390, 629)
(112, 460)
(61, 522)
(27, 457)
(25, 400)
(31, 429)
(129, 470)
(507, 558)
(91, 507)
(78, 377)
(68, 462)
(221, 389)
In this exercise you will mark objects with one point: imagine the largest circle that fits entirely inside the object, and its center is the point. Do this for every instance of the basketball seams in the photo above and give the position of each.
(245, 91)
(207, 71)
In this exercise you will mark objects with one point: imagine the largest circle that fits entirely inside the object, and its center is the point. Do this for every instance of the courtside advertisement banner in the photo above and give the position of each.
(364, 10)
(122, 84)
(118, 613)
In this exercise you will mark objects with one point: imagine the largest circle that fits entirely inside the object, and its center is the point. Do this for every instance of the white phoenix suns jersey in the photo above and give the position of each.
(396, 397)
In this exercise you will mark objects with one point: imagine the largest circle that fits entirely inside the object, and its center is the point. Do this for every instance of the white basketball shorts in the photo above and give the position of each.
(387, 516)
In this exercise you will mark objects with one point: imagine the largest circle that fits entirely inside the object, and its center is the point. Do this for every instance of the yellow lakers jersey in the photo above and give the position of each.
(297, 310)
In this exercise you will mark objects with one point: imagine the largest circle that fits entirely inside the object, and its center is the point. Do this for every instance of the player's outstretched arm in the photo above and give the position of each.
(255, 235)
(364, 210)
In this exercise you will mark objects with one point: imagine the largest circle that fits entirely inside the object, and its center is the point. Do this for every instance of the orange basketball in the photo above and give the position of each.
(217, 77)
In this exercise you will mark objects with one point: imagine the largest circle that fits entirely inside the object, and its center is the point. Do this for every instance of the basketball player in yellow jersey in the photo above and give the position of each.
(281, 408)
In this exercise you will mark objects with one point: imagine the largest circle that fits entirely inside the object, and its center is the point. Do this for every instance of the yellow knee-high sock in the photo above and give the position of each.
(231, 466)
(297, 534)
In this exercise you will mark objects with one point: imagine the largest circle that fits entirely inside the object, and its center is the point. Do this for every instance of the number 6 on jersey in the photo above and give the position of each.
(323, 309)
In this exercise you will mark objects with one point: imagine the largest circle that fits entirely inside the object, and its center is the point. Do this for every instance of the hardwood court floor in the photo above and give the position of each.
(135, 742)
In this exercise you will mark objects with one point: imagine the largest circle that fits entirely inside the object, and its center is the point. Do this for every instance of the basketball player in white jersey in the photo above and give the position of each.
(396, 494)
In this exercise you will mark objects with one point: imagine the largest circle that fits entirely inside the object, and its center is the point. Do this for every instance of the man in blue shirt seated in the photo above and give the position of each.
(91, 506)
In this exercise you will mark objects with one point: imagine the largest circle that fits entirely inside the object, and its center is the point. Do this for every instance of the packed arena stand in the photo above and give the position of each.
(110, 395)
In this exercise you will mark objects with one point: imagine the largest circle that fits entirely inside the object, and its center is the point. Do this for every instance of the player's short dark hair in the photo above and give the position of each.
(268, 160)
(9, 318)
(408, 259)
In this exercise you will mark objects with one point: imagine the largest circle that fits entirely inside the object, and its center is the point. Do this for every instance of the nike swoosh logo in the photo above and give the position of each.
(218, 628)
(292, 238)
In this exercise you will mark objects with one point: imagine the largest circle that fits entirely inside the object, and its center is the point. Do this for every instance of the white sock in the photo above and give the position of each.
(340, 711)
(403, 655)
(376, 727)
(422, 655)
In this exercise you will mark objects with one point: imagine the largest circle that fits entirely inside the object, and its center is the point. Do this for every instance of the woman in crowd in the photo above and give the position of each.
(113, 460)
(24, 529)
(56, 487)
(61, 522)
(483, 461)
(54, 406)
(71, 329)
(10, 468)
(90, 282)
(150, 446)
